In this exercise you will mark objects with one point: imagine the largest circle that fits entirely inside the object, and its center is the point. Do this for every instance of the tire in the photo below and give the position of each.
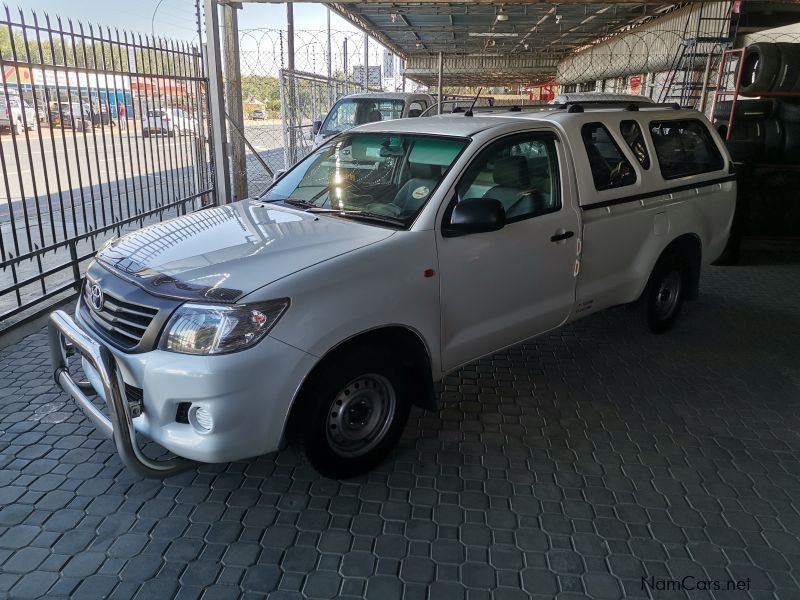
(145, 133)
(747, 143)
(745, 110)
(665, 292)
(171, 133)
(791, 143)
(774, 140)
(789, 110)
(789, 71)
(342, 391)
(761, 64)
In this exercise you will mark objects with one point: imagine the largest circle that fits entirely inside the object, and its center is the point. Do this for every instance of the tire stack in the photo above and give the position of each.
(766, 130)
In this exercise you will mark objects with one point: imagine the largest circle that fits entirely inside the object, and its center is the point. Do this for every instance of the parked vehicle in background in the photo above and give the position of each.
(387, 258)
(258, 115)
(359, 109)
(16, 114)
(101, 116)
(73, 115)
(168, 121)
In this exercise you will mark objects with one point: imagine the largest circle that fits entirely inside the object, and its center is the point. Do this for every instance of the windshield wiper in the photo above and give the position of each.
(302, 203)
(359, 214)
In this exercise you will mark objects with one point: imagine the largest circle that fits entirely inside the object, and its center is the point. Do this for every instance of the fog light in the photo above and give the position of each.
(201, 419)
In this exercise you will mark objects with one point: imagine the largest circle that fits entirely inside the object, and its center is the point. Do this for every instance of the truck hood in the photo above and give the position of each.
(223, 253)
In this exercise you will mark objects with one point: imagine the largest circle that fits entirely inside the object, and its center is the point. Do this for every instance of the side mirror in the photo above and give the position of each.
(316, 126)
(278, 174)
(476, 215)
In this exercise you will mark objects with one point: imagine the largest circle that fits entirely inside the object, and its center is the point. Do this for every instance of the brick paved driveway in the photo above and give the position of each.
(574, 466)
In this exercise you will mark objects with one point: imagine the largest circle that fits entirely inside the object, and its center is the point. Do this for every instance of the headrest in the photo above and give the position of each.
(424, 170)
(511, 172)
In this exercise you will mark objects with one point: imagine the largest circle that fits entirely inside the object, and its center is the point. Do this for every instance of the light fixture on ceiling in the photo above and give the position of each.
(418, 44)
(394, 17)
(492, 34)
(491, 43)
(558, 18)
(501, 15)
(526, 45)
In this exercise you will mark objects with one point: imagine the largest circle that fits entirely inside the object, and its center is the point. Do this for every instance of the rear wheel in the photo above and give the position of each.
(663, 297)
(352, 412)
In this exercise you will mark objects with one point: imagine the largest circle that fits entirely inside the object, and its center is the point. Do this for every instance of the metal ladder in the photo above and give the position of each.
(699, 54)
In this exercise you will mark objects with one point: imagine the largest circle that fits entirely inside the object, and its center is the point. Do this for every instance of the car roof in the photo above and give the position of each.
(459, 125)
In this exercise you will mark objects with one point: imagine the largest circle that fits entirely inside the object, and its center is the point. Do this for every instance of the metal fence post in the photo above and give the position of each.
(284, 118)
(233, 91)
(366, 61)
(221, 168)
(439, 87)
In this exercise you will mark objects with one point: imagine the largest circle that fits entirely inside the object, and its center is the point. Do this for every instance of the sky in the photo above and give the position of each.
(176, 18)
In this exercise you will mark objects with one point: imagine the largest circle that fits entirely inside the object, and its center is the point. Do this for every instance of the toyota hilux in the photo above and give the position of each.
(390, 256)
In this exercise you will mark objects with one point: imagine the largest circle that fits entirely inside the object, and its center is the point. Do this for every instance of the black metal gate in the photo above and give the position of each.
(101, 132)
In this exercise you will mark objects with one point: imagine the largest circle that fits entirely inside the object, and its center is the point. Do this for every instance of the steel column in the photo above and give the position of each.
(439, 85)
(366, 61)
(219, 137)
(233, 90)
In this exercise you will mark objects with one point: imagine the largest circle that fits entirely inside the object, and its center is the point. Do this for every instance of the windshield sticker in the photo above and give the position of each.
(420, 192)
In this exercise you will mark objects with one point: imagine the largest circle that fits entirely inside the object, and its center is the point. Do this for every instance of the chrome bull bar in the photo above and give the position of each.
(65, 334)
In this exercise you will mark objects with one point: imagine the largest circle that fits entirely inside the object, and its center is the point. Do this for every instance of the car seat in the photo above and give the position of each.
(513, 188)
(413, 194)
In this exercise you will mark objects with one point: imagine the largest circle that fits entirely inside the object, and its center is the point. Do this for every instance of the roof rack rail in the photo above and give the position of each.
(623, 104)
(576, 107)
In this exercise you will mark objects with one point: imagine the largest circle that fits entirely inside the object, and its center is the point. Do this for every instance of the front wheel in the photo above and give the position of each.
(353, 412)
(663, 297)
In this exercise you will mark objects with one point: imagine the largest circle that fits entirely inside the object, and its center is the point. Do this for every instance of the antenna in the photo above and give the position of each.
(471, 106)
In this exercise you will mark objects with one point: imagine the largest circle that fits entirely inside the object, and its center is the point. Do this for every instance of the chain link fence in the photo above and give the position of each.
(280, 102)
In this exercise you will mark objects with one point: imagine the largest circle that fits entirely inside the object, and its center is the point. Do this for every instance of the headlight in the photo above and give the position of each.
(220, 328)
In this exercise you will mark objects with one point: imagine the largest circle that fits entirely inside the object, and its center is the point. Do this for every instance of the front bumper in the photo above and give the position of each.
(118, 425)
(248, 395)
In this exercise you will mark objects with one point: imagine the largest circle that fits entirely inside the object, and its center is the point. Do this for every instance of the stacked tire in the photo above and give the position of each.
(769, 67)
(765, 131)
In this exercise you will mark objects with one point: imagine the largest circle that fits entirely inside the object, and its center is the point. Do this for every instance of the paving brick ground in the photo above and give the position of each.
(571, 466)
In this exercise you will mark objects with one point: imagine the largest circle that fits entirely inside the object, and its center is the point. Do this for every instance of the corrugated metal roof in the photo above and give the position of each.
(414, 28)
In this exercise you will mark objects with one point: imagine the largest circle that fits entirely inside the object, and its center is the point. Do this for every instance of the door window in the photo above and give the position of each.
(521, 172)
(610, 168)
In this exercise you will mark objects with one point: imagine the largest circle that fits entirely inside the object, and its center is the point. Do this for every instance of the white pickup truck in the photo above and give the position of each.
(390, 256)
(17, 114)
(371, 107)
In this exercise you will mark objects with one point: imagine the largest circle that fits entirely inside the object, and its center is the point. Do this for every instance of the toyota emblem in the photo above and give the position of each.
(96, 297)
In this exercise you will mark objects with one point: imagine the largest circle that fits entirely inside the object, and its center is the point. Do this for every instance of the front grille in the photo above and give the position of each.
(124, 322)
(133, 394)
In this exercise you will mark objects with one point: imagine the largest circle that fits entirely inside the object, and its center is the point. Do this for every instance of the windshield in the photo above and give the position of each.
(346, 114)
(384, 175)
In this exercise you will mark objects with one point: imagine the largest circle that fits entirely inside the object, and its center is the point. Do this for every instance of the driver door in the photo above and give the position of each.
(502, 287)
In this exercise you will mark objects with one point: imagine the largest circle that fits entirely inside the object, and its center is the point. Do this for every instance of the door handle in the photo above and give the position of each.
(559, 237)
